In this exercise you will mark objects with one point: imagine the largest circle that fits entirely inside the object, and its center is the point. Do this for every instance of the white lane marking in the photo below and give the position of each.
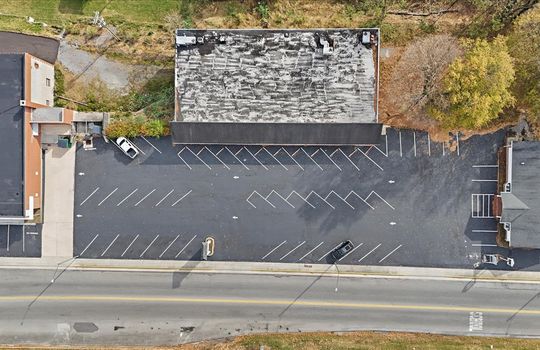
(109, 246)
(330, 251)
(129, 246)
(484, 180)
(110, 194)
(483, 245)
(428, 145)
(371, 251)
(154, 147)
(180, 252)
(298, 246)
(311, 251)
(89, 244)
(290, 156)
(327, 156)
(363, 200)
(277, 160)
(303, 198)
(337, 195)
(264, 198)
(8, 226)
(238, 159)
(215, 156)
(352, 250)
(400, 147)
(484, 231)
(140, 256)
(182, 159)
(368, 157)
(443, 147)
(170, 244)
(199, 158)
(324, 200)
(343, 153)
(414, 138)
(184, 196)
(280, 196)
(129, 195)
(87, 198)
(273, 250)
(162, 199)
(392, 252)
(143, 198)
(457, 137)
(381, 198)
(252, 155)
(313, 160)
(485, 166)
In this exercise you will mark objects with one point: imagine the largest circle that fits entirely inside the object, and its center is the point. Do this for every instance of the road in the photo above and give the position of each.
(100, 307)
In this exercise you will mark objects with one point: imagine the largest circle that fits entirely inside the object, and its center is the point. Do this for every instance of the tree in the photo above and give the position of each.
(417, 77)
(476, 86)
(524, 44)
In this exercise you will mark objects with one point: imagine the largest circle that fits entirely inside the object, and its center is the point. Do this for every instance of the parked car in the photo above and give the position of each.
(342, 250)
(127, 147)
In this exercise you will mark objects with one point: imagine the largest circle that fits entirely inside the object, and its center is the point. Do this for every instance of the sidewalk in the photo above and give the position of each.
(57, 234)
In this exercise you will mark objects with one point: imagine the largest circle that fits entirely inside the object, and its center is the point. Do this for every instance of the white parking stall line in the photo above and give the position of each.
(493, 231)
(143, 198)
(89, 244)
(273, 250)
(199, 158)
(280, 196)
(371, 251)
(378, 149)
(311, 251)
(140, 256)
(310, 157)
(327, 156)
(443, 147)
(271, 155)
(215, 156)
(180, 252)
(264, 198)
(414, 138)
(303, 198)
(392, 252)
(134, 145)
(381, 198)
(337, 195)
(129, 246)
(170, 244)
(483, 245)
(129, 195)
(87, 198)
(484, 180)
(368, 157)
(162, 199)
(238, 159)
(182, 159)
(324, 200)
(286, 255)
(400, 147)
(358, 196)
(428, 145)
(330, 251)
(485, 166)
(290, 156)
(457, 138)
(352, 250)
(110, 194)
(184, 196)
(349, 159)
(110, 245)
(150, 143)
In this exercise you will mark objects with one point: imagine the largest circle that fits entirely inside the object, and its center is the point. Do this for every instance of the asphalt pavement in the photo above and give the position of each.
(99, 307)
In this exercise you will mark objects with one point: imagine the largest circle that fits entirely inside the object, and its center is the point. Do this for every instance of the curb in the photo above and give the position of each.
(227, 267)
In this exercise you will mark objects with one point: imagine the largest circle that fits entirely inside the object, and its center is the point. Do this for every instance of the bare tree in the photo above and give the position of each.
(417, 76)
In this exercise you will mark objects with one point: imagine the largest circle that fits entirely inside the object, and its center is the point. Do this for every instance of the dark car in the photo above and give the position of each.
(342, 250)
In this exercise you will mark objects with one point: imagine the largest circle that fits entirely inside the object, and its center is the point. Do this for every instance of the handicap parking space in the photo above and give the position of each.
(408, 201)
(20, 240)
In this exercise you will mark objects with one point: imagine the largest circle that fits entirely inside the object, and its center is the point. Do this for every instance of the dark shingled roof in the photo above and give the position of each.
(522, 207)
(11, 134)
(276, 133)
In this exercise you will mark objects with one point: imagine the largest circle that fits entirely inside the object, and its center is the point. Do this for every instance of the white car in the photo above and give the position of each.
(127, 147)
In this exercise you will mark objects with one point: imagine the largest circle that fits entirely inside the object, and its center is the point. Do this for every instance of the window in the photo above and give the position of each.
(47, 82)
(48, 102)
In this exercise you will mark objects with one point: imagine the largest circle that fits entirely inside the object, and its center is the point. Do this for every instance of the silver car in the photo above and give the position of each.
(127, 147)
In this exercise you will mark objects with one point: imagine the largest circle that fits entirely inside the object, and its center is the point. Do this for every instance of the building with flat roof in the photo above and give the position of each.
(276, 86)
(517, 207)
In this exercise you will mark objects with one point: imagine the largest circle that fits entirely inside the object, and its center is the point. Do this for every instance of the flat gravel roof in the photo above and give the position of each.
(11, 134)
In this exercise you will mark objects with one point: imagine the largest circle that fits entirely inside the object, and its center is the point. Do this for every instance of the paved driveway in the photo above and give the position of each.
(409, 201)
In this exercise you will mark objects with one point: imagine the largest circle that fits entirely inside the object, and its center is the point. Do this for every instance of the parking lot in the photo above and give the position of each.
(20, 241)
(409, 201)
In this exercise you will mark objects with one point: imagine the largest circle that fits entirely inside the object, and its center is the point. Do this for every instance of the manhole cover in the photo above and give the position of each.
(85, 327)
